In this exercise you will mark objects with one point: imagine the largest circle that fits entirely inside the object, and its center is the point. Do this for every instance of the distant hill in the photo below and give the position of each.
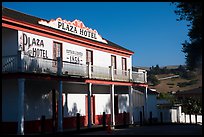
(173, 78)
(145, 68)
(168, 67)
(177, 84)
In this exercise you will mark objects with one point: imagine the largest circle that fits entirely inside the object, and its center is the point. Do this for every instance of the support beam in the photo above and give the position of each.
(60, 119)
(89, 105)
(112, 72)
(145, 76)
(59, 73)
(112, 105)
(21, 90)
(20, 61)
(130, 74)
(53, 110)
(131, 104)
(59, 66)
(89, 70)
(146, 105)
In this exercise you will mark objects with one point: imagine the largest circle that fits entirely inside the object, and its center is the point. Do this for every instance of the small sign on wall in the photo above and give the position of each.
(74, 56)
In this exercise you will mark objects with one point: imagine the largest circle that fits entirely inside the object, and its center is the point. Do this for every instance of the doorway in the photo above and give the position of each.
(92, 108)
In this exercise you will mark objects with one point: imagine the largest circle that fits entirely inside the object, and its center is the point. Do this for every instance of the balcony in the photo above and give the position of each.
(27, 64)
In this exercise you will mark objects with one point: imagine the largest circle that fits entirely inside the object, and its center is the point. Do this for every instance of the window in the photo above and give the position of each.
(124, 66)
(57, 52)
(113, 63)
(89, 56)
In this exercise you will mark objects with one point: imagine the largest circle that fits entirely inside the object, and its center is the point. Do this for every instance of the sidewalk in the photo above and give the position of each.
(75, 131)
(154, 129)
(159, 129)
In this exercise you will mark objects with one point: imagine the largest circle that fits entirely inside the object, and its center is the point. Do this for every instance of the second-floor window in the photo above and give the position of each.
(89, 56)
(57, 52)
(113, 63)
(124, 66)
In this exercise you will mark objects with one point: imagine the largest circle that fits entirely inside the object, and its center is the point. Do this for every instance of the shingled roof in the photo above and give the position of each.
(34, 20)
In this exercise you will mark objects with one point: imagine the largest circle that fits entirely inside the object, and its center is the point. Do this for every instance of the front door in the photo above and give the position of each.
(92, 108)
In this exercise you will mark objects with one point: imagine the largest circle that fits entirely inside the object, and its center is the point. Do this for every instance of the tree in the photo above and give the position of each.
(192, 12)
(152, 78)
(191, 106)
(181, 68)
(155, 70)
(167, 96)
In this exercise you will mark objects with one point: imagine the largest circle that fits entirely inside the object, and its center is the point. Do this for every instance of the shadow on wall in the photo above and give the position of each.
(66, 107)
(74, 110)
(107, 107)
(136, 113)
(122, 104)
(36, 107)
(32, 65)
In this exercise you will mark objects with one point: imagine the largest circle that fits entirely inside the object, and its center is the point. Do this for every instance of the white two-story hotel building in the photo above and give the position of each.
(59, 68)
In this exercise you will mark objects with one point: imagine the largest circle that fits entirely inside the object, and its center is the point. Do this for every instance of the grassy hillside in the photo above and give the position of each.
(176, 84)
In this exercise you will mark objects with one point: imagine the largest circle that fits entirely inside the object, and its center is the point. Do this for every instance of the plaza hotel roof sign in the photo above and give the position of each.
(75, 27)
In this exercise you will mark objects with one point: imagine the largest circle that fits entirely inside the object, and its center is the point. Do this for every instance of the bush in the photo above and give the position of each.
(193, 82)
(184, 84)
(187, 75)
(170, 84)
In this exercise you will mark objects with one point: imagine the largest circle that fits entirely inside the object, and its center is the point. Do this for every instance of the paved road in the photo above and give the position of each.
(153, 130)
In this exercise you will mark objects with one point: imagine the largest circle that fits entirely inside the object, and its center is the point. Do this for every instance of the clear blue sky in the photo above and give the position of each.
(149, 29)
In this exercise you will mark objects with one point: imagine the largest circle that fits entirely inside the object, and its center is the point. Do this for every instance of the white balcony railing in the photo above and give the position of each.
(121, 75)
(74, 69)
(139, 77)
(37, 65)
(98, 72)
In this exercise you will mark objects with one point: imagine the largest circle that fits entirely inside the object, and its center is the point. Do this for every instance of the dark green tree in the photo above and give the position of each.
(164, 70)
(154, 70)
(167, 96)
(192, 12)
(152, 79)
(191, 106)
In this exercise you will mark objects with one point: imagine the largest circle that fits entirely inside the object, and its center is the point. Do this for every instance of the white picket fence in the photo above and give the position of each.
(178, 117)
(174, 115)
(185, 118)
